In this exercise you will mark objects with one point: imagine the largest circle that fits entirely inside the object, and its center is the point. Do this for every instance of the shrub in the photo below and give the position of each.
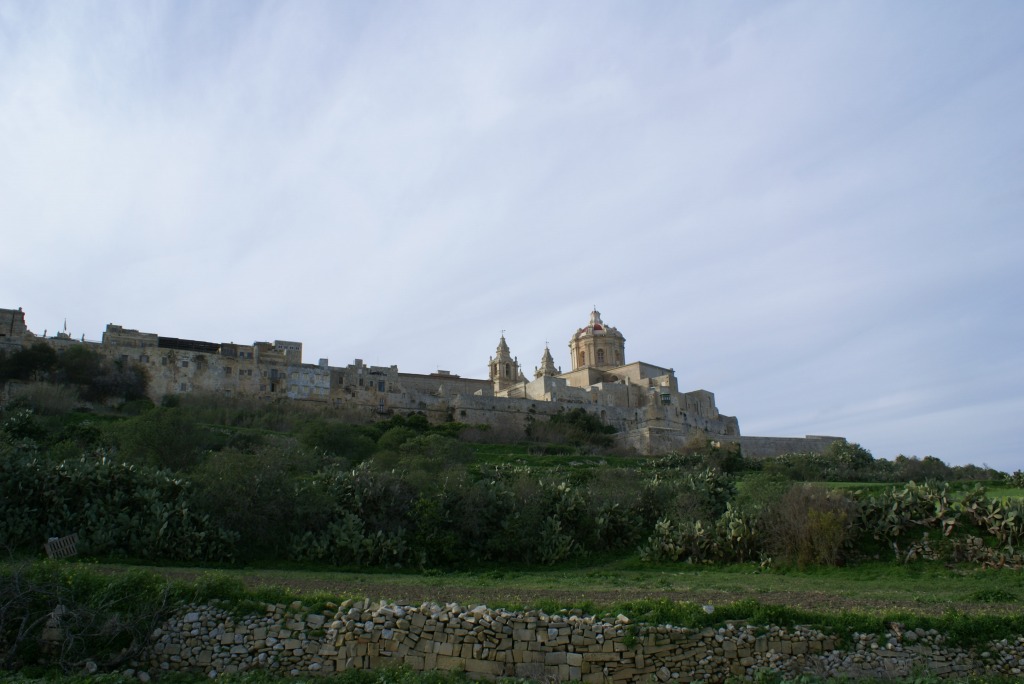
(116, 509)
(337, 439)
(98, 377)
(576, 427)
(45, 398)
(259, 496)
(810, 525)
(163, 437)
(34, 363)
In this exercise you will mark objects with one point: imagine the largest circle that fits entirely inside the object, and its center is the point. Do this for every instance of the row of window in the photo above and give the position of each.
(600, 357)
(381, 385)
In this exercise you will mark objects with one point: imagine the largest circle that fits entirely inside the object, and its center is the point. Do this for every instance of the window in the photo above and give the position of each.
(183, 387)
(508, 371)
(380, 406)
(380, 385)
(184, 364)
(583, 358)
(227, 370)
(600, 356)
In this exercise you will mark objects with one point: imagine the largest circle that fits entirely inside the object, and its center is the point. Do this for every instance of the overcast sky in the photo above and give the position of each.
(814, 210)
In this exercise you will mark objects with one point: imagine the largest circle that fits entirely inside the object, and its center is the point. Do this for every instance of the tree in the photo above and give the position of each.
(163, 437)
(336, 439)
(99, 377)
(34, 363)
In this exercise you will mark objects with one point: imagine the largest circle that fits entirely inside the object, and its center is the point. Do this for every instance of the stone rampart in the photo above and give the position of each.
(565, 647)
(769, 447)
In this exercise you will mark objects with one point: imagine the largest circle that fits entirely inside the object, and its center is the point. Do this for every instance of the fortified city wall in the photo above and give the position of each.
(489, 644)
(640, 400)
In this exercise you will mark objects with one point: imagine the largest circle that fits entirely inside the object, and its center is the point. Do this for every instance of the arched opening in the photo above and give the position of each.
(508, 371)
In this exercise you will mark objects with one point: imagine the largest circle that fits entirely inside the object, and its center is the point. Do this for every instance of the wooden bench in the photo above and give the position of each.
(62, 547)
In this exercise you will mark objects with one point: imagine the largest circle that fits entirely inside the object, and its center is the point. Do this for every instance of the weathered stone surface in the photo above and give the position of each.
(491, 644)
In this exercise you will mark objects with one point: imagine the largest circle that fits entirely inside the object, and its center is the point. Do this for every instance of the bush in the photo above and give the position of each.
(259, 496)
(810, 525)
(337, 439)
(576, 427)
(33, 363)
(163, 437)
(116, 509)
(98, 377)
(45, 398)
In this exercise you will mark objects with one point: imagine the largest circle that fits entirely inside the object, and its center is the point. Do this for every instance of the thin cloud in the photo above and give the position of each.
(811, 210)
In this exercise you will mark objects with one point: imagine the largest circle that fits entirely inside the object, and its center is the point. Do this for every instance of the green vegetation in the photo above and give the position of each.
(207, 479)
(297, 503)
(107, 616)
(110, 614)
(81, 371)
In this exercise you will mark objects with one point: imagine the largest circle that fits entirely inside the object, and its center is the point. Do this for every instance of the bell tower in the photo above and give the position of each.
(597, 345)
(503, 368)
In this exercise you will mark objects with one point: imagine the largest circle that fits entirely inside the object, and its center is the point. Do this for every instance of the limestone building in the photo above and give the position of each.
(642, 401)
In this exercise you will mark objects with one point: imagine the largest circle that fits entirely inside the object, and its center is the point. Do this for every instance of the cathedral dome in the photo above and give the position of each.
(597, 345)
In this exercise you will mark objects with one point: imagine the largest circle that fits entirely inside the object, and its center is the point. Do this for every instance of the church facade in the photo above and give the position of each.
(642, 401)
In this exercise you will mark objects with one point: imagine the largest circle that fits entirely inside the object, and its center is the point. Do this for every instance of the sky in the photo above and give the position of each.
(813, 210)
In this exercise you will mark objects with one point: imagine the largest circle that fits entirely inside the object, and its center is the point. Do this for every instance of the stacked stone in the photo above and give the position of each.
(489, 644)
(209, 639)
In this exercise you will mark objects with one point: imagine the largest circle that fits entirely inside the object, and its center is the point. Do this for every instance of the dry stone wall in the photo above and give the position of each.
(566, 647)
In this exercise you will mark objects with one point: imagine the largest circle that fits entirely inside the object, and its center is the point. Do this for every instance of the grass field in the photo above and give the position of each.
(877, 587)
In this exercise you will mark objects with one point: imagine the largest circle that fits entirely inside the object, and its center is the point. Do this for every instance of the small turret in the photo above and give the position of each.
(547, 365)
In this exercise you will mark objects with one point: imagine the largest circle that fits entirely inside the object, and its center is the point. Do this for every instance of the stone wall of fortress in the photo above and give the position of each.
(261, 370)
(762, 447)
(645, 406)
